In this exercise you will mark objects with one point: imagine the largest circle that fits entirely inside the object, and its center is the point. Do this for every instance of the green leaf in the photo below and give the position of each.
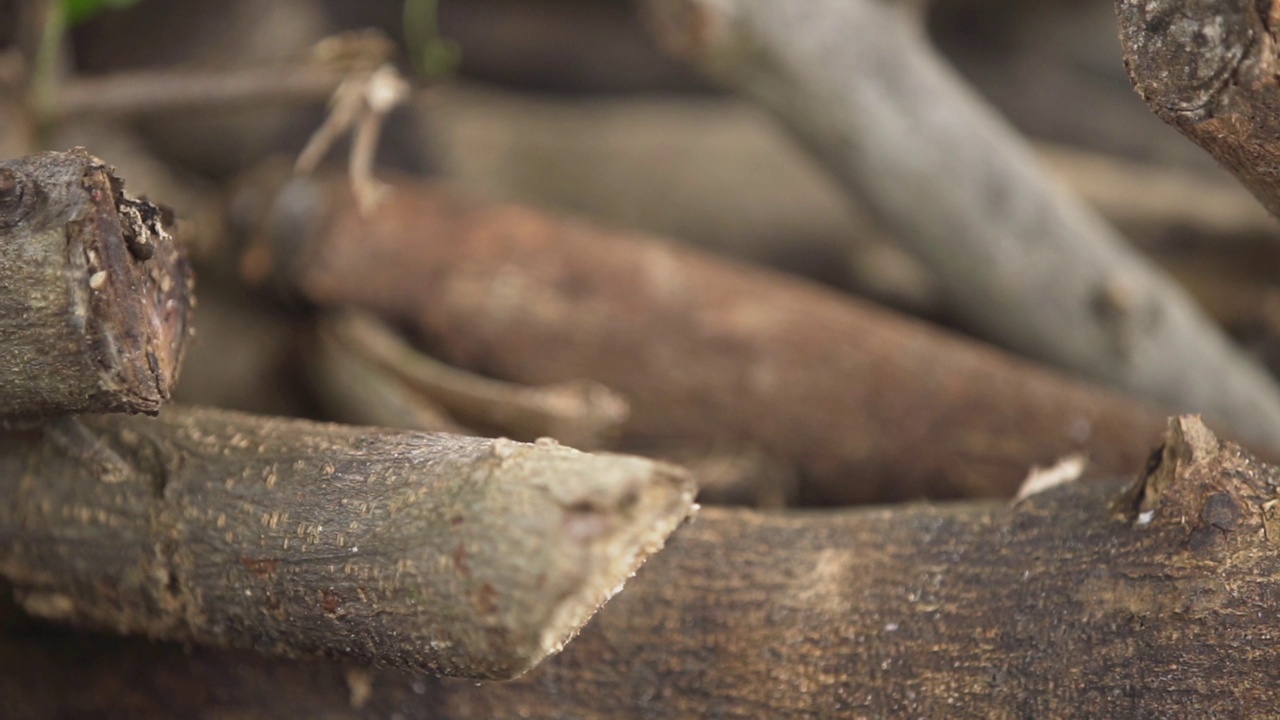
(435, 57)
(77, 11)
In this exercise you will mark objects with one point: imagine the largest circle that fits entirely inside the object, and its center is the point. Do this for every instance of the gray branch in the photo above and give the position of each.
(1021, 259)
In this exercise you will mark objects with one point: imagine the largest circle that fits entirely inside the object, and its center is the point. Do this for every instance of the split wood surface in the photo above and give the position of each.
(444, 554)
(1209, 69)
(96, 294)
(866, 404)
(1084, 601)
(1026, 263)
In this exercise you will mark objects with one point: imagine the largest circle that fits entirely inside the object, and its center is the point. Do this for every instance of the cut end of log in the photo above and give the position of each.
(438, 553)
(1183, 55)
(158, 276)
(1209, 488)
(100, 293)
(615, 512)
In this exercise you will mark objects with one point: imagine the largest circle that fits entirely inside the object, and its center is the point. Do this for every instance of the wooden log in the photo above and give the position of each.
(1085, 601)
(1208, 69)
(866, 404)
(1021, 261)
(96, 294)
(445, 554)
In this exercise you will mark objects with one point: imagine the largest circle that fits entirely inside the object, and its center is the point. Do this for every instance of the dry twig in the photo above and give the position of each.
(579, 413)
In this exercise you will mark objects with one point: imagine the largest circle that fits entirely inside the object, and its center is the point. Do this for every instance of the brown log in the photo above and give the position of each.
(867, 404)
(1074, 603)
(1208, 68)
(96, 295)
(444, 554)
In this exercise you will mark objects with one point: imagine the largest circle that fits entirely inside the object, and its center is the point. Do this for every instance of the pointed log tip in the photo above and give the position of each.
(617, 511)
(1205, 487)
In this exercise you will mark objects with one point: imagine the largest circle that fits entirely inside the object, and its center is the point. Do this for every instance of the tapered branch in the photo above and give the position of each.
(445, 554)
(96, 295)
(580, 413)
(866, 404)
(1024, 262)
(1085, 601)
(354, 389)
(1208, 68)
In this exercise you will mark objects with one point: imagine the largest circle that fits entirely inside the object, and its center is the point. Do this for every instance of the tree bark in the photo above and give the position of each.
(96, 294)
(1085, 601)
(1022, 261)
(1208, 68)
(444, 554)
(868, 405)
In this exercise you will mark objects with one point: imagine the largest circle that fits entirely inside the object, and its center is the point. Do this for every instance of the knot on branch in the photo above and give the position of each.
(1212, 489)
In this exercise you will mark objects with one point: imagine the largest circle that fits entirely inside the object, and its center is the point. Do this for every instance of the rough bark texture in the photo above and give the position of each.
(1209, 68)
(96, 295)
(445, 554)
(1070, 604)
(866, 404)
(1024, 262)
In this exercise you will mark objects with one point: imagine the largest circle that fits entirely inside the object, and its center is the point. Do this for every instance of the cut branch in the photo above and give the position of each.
(1074, 603)
(96, 295)
(1023, 261)
(866, 404)
(444, 554)
(1209, 69)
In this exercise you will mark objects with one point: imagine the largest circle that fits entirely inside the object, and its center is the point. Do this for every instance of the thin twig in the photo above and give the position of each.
(581, 413)
(144, 92)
